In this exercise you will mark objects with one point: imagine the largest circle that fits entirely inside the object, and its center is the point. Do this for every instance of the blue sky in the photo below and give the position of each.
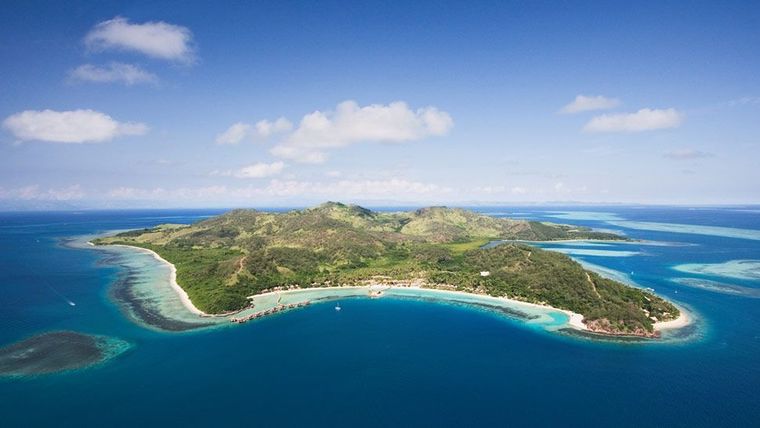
(170, 104)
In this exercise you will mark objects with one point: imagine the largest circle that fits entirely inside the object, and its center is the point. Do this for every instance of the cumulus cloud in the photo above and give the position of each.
(159, 39)
(265, 128)
(642, 120)
(687, 154)
(350, 123)
(234, 134)
(75, 126)
(261, 130)
(114, 72)
(589, 103)
(35, 193)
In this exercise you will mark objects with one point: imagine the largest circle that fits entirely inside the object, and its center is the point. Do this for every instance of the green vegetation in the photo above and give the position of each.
(223, 260)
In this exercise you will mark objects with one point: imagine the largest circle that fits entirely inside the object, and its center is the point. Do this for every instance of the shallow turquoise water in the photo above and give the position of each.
(389, 361)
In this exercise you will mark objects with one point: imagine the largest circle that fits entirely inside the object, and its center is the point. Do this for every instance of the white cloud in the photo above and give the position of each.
(155, 39)
(397, 189)
(375, 188)
(260, 170)
(517, 190)
(75, 126)
(134, 193)
(686, 154)
(257, 170)
(643, 120)
(392, 188)
(319, 131)
(127, 74)
(350, 124)
(205, 193)
(33, 192)
(299, 154)
(589, 103)
(333, 173)
(265, 128)
(234, 134)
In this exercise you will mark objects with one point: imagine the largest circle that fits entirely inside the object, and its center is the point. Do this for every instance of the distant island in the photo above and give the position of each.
(222, 262)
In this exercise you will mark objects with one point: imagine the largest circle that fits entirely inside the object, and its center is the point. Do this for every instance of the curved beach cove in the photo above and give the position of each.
(152, 297)
(529, 314)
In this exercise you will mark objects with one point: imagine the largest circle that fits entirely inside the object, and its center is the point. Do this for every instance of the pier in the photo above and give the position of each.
(270, 311)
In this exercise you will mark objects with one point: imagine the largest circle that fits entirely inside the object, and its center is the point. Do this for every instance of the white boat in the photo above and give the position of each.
(337, 307)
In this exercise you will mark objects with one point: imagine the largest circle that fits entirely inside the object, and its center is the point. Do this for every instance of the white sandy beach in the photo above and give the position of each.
(682, 321)
(184, 298)
(575, 320)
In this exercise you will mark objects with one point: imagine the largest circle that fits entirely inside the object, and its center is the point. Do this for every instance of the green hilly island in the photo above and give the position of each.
(223, 260)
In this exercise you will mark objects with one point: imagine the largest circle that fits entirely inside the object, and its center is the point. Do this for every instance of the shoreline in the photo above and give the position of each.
(682, 321)
(181, 293)
(575, 320)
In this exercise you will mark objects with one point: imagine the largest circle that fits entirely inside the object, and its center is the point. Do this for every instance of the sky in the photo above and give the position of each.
(246, 104)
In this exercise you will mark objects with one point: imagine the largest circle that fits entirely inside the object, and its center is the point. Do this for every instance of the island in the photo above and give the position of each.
(224, 262)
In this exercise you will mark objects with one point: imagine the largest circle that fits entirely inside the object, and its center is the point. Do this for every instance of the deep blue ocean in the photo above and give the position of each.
(391, 362)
